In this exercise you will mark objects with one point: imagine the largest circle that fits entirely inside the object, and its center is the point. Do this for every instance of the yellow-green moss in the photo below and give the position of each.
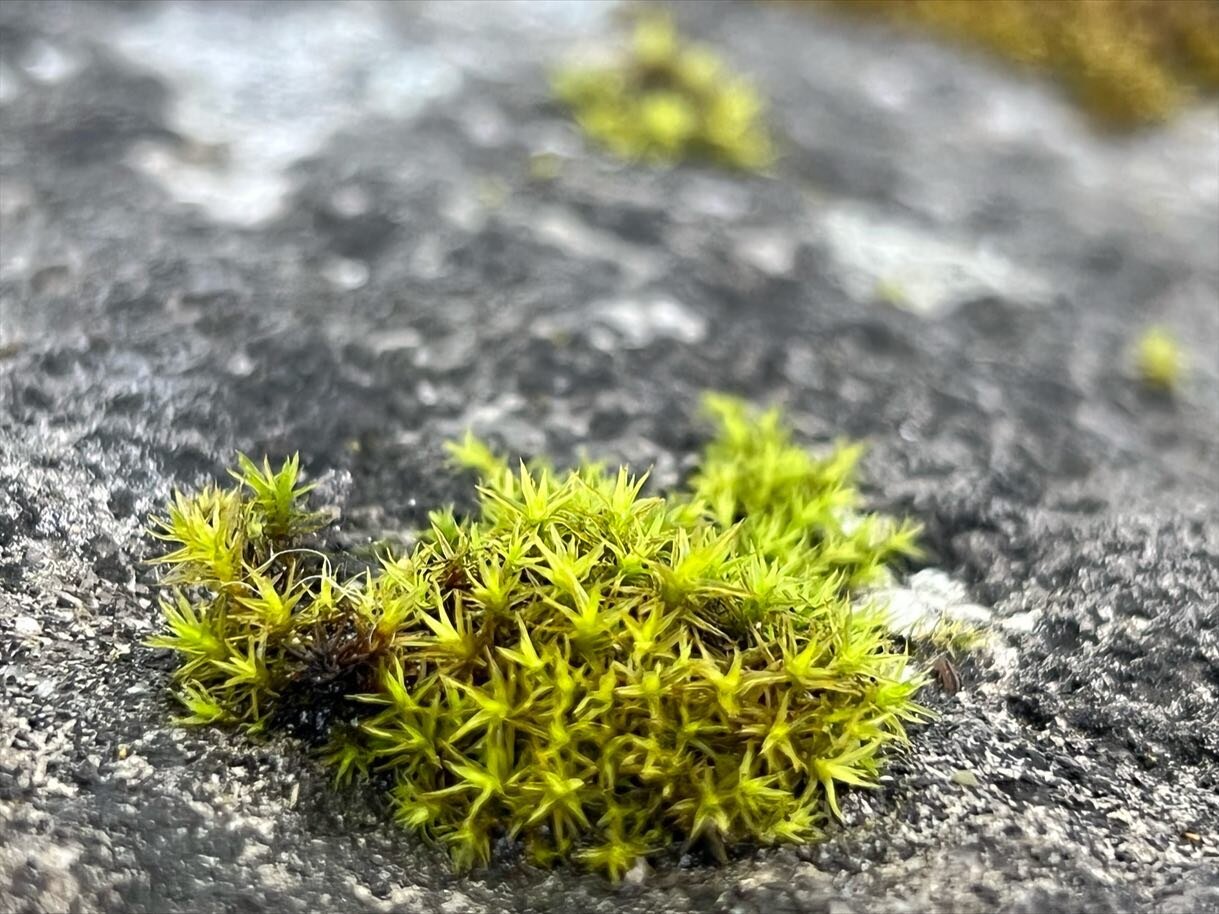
(1159, 359)
(1127, 62)
(598, 673)
(666, 101)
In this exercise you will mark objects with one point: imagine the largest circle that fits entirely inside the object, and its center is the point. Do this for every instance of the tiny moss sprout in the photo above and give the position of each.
(593, 672)
(956, 636)
(1159, 359)
(665, 101)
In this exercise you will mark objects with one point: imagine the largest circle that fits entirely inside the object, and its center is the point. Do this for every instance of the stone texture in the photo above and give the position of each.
(314, 227)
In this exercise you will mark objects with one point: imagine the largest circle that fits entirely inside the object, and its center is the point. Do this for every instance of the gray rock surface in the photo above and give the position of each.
(312, 226)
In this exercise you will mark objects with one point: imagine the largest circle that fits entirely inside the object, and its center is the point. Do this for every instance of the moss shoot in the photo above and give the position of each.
(594, 672)
(665, 101)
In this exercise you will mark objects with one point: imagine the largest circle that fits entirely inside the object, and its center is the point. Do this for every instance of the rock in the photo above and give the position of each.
(27, 626)
(317, 228)
(963, 777)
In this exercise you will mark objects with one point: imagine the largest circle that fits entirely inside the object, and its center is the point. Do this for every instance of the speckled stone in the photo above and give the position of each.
(316, 227)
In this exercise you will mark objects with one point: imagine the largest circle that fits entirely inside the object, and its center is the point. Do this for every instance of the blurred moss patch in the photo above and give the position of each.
(1127, 62)
(666, 101)
(1159, 359)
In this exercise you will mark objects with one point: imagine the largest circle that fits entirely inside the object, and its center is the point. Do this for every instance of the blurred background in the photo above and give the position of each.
(348, 221)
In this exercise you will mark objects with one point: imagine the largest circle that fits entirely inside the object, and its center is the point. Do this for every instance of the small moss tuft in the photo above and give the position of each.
(596, 672)
(666, 102)
(1159, 359)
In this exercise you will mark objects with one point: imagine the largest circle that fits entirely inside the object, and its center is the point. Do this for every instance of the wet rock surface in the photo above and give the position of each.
(316, 228)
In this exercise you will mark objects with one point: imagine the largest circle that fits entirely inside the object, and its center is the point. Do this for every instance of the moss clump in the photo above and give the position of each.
(1159, 359)
(598, 673)
(665, 102)
(1127, 62)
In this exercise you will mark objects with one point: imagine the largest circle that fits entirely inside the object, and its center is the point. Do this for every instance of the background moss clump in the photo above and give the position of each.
(598, 673)
(666, 101)
(1159, 360)
(1127, 62)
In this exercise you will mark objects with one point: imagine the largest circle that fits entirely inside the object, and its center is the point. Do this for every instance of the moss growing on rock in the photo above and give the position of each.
(1127, 62)
(598, 673)
(1159, 360)
(665, 101)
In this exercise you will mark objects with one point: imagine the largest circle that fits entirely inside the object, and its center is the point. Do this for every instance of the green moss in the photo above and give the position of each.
(1159, 359)
(1126, 62)
(665, 102)
(597, 672)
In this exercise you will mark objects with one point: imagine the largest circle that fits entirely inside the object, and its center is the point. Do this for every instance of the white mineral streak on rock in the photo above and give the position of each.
(265, 90)
(928, 597)
(774, 253)
(46, 63)
(567, 231)
(918, 269)
(346, 273)
(27, 626)
(263, 98)
(638, 322)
